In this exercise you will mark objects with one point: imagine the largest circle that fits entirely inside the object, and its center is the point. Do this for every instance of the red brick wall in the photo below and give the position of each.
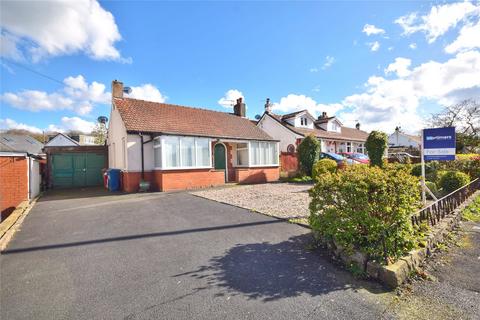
(190, 179)
(168, 180)
(231, 169)
(288, 162)
(257, 175)
(13, 183)
(131, 180)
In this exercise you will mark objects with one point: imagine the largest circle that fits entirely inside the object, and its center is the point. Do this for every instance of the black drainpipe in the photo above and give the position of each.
(142, 152)
(143, 166)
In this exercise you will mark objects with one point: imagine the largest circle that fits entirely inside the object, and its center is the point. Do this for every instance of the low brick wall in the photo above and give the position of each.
(257, 175)
(169, 180)
(13, 183)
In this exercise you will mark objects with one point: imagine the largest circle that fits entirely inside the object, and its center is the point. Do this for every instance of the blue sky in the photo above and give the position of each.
(380, 63)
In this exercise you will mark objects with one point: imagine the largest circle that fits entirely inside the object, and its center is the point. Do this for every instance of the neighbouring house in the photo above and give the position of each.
(400, 139)
(84, 140)
(21, 162)
(61, 140)
(291, 128)
(176, 147)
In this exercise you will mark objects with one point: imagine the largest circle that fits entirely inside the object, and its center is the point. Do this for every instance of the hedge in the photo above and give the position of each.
(367, 209)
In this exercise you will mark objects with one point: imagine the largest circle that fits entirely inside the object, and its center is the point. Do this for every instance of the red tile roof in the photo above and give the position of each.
(154, 117)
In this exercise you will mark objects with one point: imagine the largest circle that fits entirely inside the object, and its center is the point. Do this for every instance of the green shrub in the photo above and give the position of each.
(376, 145)
(472, 211)
(431, 170)
(433, 187)
(323, 166)
(452, 180)
(308, 151)
(365, 208)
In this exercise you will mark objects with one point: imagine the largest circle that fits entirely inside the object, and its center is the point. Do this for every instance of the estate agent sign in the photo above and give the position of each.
(439, 144)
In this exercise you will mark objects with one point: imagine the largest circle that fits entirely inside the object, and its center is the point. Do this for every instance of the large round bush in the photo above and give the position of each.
(452, 180)
(323, 166)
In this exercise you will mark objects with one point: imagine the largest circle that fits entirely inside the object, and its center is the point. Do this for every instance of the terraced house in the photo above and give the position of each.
(291, 128)
(176, 147)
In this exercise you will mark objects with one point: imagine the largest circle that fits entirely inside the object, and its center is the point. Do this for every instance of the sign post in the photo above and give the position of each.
(437, 144)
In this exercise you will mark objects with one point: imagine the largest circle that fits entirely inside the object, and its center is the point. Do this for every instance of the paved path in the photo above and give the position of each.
(88, 255)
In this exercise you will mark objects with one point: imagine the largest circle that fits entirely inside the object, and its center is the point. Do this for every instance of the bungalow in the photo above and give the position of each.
(400, 139)
(291, 128)
(176, 147)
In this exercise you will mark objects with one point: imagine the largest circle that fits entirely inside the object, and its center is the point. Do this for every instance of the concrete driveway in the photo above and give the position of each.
(85, 254)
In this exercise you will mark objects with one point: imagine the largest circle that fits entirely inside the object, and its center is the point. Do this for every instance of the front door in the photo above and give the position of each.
(219, 158)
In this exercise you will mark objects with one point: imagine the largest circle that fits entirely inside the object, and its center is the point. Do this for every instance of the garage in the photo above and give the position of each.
(76, 166)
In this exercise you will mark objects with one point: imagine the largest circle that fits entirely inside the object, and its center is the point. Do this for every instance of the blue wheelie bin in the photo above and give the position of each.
(113, 179)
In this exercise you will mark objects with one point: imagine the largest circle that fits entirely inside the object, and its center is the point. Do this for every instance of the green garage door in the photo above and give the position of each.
(77, 170)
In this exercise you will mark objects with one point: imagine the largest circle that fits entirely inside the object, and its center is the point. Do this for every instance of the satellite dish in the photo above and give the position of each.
(127, 90)
(258, 117)
(102, 119)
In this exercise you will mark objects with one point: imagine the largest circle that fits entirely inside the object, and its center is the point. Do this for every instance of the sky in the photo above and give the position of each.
(382, 64)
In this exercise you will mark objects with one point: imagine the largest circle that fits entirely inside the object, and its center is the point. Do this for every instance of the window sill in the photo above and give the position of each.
(182, 168)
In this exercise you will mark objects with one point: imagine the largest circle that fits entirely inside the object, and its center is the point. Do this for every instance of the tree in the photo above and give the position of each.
(308, 151)
(465, 117)
(376, 145)
(100, 133)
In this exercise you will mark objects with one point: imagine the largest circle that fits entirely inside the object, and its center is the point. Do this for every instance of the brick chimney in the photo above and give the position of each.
(357, 126)
(239, 109)
(117, 89)
(323, 116)
(268, 106)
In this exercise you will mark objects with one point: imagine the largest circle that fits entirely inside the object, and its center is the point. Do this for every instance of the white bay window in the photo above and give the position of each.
(257, 154)
(174, 152)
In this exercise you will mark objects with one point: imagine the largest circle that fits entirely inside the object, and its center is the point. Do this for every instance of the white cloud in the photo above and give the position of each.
(370, 29)
(328, 62)
(296, 102)
(52, 28)
(468, 38)
(439, 20)
(7, 123)
(77, 96)
(314, 70)
(374, 46)
(66, 124)
(147, 92)
(72, 124)
(400, 67)
(412, 46)
(388, 103)
(230, 98)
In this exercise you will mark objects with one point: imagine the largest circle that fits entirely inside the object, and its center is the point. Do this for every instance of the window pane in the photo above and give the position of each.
(255, 153)
(263, 151)
(275, 153)
(203, 154)
(242, 157)
(171, 151)
(187, 152)
(157, 155)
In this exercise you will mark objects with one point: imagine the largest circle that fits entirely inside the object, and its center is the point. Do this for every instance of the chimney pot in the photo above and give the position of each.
(357, 126)
(117, 89)
(268, 106)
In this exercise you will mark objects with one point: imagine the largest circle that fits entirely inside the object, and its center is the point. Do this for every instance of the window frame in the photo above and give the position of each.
(163, 156)
(264, 143)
